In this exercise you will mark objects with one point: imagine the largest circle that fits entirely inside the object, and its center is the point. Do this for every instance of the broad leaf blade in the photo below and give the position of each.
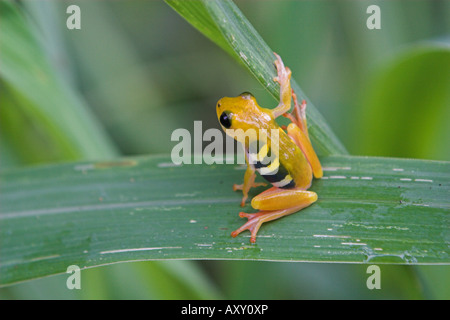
(373, 210)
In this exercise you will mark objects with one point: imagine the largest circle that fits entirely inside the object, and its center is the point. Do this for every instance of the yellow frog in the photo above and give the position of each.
(292, 162)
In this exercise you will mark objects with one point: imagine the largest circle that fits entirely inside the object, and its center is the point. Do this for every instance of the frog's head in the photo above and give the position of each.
(241, 112)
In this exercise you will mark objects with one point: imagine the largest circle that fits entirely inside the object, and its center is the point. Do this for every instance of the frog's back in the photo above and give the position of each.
(286, 169)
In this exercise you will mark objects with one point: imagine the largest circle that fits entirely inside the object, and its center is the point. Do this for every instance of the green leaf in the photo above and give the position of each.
(370, 210)
(237, 33)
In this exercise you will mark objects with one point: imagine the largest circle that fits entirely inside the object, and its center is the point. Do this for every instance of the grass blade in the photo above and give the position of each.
(375, 210)
(210, 17)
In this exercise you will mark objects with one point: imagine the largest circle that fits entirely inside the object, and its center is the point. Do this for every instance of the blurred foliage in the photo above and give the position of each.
(413, 90)
(136, 71)
(42, 119)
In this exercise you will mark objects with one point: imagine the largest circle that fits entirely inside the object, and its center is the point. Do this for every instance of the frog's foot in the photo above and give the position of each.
(291, 117)
(237, 187)
(284, 79)
(274, 203)
(255, 220)
(283, 73)
(298, 114)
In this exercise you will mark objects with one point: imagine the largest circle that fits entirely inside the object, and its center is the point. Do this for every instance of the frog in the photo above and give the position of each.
(288, 164)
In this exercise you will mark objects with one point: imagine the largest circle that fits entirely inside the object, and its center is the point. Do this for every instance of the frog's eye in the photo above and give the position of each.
(225, 119)
(246, 95)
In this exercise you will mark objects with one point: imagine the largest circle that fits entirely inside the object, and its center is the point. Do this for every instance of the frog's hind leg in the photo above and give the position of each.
(298, 131)
(303, 142)
(274, 203)
(300, 114)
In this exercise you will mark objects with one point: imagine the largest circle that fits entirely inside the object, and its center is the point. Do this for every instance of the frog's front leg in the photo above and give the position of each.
(249, 182)
(274, 203)
(284, 79)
